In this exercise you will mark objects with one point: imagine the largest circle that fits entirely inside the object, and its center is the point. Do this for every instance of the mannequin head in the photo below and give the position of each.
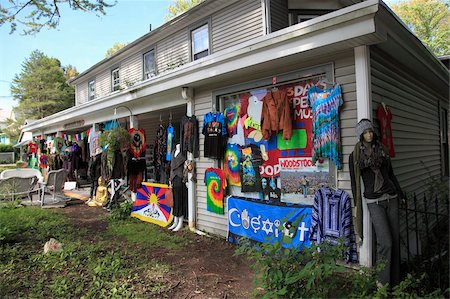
(368, 135)
(365, 131)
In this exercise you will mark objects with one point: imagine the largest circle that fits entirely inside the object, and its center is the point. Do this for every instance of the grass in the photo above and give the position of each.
(7, 166)
(91, 264)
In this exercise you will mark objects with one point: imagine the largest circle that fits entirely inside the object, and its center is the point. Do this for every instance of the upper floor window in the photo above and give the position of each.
(200, 42)
(91, 90)
(149, 65)
(115, 79)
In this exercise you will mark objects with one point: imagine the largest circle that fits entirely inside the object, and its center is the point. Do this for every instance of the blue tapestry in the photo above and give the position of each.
(262, 222)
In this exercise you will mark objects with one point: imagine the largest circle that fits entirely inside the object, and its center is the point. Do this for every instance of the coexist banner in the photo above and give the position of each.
(268, 223)
(151, 204)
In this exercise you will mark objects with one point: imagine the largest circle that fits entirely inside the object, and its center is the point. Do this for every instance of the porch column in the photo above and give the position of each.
(134, 123)
(186, 93)
(364, 110)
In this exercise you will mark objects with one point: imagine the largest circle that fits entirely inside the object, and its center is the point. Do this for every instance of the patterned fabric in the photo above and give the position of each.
(232, 120)
(137, 146)
(214, 130)
(169, 148)
(215, 185)
(384, 116)
(189, 135)
(325, 105)
(231, 165)
(332, 219)
(251, 161)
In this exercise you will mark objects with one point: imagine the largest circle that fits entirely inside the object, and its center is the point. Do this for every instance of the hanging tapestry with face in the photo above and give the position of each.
(137, 146)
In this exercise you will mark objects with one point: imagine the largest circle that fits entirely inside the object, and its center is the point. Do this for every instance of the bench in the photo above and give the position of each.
(13, 188)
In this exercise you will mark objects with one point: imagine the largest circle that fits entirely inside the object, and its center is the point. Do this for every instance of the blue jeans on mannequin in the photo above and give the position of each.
(384, 215)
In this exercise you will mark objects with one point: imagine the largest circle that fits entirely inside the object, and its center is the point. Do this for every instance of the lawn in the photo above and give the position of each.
(105, 258)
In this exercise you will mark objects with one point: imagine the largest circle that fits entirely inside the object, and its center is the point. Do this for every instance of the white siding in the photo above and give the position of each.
(415, 123)
(82, 93)
(103, 84)
(131, 69)
(237, 23)
(172, 51)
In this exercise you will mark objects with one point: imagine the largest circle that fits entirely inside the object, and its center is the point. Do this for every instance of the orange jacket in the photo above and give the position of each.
(276, 115)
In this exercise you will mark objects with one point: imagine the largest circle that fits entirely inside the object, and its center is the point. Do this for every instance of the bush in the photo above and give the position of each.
(6, 148)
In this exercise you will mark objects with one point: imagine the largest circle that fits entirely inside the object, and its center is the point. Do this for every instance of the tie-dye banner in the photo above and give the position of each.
(75, 137)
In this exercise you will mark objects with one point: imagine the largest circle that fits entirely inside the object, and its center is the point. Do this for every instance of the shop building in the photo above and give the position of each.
(208, 57)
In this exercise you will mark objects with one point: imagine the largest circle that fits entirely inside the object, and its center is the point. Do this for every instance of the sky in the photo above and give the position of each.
(81, 39)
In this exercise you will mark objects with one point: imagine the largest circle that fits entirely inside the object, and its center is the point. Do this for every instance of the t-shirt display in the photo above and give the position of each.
(189, 135)
(325, 105)
(251, 160)
(384, 116)
(215, 185)
(170, 135)
(231, 164)
(215, 130)
(232, 120)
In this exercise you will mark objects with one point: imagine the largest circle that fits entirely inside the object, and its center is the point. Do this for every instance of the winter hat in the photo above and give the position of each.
(363, 125)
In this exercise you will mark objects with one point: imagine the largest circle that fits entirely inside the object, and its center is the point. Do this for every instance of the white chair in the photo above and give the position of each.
(54, 185)
(22, 173)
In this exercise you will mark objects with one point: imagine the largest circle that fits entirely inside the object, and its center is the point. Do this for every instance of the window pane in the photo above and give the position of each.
(149, 65)
(91, 90)
(200, 39)
(115, 80)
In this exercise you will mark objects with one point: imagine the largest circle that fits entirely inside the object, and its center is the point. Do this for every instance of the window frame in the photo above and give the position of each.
(192, 30)
(91, 92)
(155, 73)
(115, 86)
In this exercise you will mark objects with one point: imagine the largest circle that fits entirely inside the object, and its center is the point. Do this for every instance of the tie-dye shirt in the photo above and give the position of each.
(325, 105)
(231, 120)
(215, 185)
(232, 164)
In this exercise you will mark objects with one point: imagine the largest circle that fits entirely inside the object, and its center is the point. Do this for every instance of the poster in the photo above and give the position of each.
(268, 223)
(301, 179)
(151, 205)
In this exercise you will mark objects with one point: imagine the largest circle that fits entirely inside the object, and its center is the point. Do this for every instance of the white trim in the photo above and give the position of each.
(364, 110)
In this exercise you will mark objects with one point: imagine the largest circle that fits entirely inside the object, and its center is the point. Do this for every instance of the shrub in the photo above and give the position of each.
(6, 148)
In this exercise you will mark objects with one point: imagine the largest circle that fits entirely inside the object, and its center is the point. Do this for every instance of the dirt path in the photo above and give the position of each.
(205, 269)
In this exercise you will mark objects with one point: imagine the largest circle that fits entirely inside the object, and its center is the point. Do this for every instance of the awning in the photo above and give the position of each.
(22, 143)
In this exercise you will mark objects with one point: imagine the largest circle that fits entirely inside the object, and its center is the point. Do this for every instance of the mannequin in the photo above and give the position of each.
(179, 188)
(371, 162)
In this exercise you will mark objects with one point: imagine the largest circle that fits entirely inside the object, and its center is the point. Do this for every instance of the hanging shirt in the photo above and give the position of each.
(169, 147)
(385, 118)
(232, 120)
(325, 105)
(251, 161)
(214, 130)
(215, 185)
(189, 135)
(32, 147)
(239, 137)
(332, 219)
(137, 144)
(93, 142)
(231, 164)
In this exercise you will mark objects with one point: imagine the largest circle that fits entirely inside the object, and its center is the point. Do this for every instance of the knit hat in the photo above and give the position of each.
(363, 125)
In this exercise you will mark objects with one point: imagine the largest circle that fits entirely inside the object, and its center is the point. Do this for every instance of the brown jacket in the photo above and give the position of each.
(276, 115)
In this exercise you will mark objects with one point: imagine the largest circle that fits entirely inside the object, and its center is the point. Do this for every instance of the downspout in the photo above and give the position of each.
(364, 110)
(186, 94)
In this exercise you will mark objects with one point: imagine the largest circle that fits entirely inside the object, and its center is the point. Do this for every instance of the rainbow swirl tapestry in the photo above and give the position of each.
(232, 120)
(151, 204)
(215, 184)
(231, 164)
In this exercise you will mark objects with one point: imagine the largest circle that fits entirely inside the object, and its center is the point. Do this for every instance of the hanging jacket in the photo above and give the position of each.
(276, 115)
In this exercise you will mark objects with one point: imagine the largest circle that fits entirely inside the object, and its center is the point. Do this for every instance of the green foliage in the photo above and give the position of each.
(141, 233)
(121, 211)
(37, 14)
(115, 139)
(116, 47)
(180, 6)
(429, 20)
(6, 148)
(41, 87)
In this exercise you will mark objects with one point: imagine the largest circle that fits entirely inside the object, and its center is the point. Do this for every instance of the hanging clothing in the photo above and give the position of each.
(76, 156)
(215, 131)
(177, 165)
(325, 105)
(169, 138)
(215, 185)
(159, 153)
(254, 111)
(277, 115)
(180, 198)
(239, 137)
(332, 219)
(251, 160)
(232, 164)
(232, 120)
(137, 145)
(93, 142)
(270, 189)
(32, 147)
(189, 135)
(384, 116)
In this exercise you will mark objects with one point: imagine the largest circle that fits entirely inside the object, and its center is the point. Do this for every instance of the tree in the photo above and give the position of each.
(116, 47)
(37, 14)
(429, 20)
(180, 6)
(41, 88)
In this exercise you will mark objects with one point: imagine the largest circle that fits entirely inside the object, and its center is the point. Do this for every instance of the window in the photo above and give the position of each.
(200, 42)
(444, 142)
(115, 79)
(149, 65)
(91, 90)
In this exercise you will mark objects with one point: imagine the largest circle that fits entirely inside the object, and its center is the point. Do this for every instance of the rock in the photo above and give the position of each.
(52, 245)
